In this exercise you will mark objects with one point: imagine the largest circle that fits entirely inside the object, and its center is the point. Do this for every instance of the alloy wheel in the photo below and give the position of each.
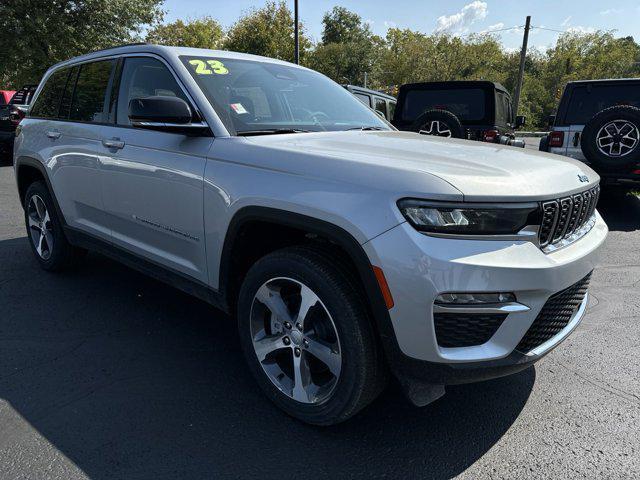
(40, 227)
(295, 340)
(618, 138)
(437, 128)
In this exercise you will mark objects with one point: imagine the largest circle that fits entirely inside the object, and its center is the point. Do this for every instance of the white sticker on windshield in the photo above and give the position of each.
(238, 108)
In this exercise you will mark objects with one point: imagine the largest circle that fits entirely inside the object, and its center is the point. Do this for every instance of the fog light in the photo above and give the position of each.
(474, 298)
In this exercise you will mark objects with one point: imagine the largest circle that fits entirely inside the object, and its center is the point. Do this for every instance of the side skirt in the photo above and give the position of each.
(149, 268)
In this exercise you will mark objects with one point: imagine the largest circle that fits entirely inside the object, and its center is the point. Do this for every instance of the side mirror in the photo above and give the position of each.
(164, 113)
(521, 120)
(380, 113)
(551, 121)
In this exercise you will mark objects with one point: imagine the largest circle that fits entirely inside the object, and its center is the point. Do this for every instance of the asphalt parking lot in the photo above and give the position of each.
(105, 373)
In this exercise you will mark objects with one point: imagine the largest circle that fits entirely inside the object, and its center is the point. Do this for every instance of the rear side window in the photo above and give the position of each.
(67, 94)
(467, 104)
(503, 108)
(89, 97)
(392, 109)
(588, 100)
(381, 106)
(145, 77)
(363, 98)
(48, 102)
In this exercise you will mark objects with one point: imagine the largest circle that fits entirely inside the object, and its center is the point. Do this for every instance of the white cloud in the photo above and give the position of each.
(460, 22)
(566, 21)
(611, 11)
(581, 29)
(493, 28)
(390, 24)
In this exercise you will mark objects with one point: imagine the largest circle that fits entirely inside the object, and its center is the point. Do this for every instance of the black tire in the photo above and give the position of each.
(363, 372)
(597, 126)
(426, 124)
(544, 144)
(61, 254)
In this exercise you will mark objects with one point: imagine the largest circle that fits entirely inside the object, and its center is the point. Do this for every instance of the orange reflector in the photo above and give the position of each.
(384, 287)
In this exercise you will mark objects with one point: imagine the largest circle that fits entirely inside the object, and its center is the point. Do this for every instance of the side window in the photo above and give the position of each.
(67, 94)
(381, 106)
(392, 109)
(88, 103)
(48, 102)
(144, 77)
(363, 98)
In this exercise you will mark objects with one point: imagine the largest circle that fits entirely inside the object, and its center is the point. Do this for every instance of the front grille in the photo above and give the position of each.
(465, 329)
(563, 217)
(554, 316)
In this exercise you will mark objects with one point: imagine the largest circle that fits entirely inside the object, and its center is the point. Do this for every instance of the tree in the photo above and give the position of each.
(203, 32)
(38, 33)
(348, 47)
(267, 31)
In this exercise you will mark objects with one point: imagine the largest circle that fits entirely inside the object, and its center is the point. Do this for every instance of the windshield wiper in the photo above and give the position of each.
(365, 128)
(270, 131)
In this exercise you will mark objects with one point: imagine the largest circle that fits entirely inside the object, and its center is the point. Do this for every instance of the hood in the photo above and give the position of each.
(480, 171)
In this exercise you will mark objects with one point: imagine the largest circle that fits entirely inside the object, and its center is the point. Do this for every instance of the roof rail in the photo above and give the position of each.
(133, 44)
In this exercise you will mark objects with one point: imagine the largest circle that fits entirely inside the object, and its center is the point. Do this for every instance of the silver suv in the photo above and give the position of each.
(345, 248)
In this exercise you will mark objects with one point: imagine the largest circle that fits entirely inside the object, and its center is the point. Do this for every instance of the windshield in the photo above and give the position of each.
(254, 96)
(467, 104)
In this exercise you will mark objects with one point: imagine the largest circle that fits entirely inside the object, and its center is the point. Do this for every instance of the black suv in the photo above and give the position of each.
(475, 110)
(10, 116)
(598, 123)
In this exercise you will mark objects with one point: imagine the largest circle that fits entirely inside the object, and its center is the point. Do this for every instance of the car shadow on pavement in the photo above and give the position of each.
(130, 378)
(621, 212)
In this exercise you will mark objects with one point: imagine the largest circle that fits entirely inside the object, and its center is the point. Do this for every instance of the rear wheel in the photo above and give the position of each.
(44, 230)
(307, 337)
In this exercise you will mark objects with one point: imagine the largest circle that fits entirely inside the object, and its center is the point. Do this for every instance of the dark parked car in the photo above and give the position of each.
(380, 102)
(475, 110)
(598, 123)
(10, 115)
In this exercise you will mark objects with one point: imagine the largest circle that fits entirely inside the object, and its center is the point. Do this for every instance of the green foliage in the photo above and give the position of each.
(38, 33)
(268, 31)
(348, 48)
(203, 32)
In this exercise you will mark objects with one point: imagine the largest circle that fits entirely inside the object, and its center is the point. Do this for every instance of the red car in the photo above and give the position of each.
(13, 106)
(5, 96)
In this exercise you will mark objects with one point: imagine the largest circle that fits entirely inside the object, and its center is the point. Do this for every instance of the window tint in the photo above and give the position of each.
(366, 99)
(503, 108)
(65, 101)
(144, 77)
(588, 100)
(90, 92)
(48, 101)
(466, 104)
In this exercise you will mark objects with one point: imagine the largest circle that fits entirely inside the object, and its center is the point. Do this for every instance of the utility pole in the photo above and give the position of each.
(365, 79)
(296, 34)
(523, 57)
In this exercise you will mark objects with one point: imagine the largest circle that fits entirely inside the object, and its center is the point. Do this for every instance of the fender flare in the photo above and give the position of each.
(327, 230)
(33, 163)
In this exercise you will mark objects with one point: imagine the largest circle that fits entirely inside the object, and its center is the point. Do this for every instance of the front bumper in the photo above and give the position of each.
(418, 267)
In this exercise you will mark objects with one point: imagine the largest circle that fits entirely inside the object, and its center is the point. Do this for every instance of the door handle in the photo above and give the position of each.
(113, 143)
(53, 135)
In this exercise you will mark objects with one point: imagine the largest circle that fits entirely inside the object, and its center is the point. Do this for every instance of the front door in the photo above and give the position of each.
(153, 181)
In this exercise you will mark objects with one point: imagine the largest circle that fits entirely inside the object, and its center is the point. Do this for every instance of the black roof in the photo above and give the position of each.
(454, 84)
(604, 80)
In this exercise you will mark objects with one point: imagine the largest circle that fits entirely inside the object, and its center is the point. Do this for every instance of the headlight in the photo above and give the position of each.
(469, 219)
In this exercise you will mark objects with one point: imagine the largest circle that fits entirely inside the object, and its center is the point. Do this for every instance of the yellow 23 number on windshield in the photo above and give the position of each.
(209, 67)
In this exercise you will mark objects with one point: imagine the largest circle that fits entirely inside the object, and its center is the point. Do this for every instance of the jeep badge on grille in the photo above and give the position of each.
(583, 178)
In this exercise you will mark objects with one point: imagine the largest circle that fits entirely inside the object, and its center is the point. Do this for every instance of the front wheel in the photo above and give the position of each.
(307, 337)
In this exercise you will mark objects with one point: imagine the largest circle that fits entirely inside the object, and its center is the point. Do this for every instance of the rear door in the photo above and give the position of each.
(72, 106)
(153, 180)
(588, 99)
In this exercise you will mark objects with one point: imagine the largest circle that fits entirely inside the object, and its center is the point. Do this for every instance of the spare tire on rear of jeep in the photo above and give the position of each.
(611, 139)
(440, 123)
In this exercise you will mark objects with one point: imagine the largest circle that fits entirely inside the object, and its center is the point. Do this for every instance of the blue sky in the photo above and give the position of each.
(452, 16)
